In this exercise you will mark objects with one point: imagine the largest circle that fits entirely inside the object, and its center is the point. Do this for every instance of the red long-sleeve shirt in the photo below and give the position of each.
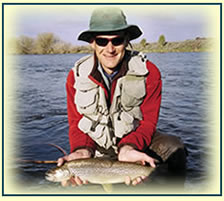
(141, 137)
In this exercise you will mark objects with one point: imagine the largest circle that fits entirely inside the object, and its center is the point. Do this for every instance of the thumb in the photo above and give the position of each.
(151, 161)
(60, 162)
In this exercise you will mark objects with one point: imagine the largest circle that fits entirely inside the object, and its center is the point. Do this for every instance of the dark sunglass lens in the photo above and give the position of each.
(118, 41)
(101, 41)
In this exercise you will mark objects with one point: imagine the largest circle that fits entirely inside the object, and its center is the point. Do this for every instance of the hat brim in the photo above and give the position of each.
(132, 30)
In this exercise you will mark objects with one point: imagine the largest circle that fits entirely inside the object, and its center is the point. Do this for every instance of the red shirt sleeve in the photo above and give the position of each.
(77, 138)
(141, 137)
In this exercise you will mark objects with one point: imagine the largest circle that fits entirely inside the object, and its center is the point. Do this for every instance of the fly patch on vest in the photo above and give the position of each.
(101, 124)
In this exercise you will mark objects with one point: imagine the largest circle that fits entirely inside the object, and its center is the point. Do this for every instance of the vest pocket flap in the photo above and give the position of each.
(84, 84)
(133, 91)
(134, 86)
(100, 134)
(85, 124)
(84, 99)
(123, 124)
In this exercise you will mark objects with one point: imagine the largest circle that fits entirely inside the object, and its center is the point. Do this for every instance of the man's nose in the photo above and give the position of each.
(110, 47)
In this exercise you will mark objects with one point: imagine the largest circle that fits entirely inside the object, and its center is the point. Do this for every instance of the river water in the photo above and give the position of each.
(40, 114)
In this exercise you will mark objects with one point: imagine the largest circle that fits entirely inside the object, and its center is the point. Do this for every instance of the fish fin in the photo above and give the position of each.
(108, 188)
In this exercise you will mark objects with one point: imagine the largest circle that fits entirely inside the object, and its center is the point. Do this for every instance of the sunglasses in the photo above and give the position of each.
(104, 41)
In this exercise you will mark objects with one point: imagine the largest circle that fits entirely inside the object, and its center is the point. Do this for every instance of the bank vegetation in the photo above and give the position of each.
(48, 43)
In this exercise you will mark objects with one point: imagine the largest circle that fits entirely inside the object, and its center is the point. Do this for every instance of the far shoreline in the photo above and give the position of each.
(29, 46)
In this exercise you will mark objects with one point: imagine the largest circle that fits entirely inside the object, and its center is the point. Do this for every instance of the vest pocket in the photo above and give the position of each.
(86, 96)
(100, 134)
(123, 124)
(86, 101)
(133, 91)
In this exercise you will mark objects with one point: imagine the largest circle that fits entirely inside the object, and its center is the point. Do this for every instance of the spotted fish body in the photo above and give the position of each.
(98, 171)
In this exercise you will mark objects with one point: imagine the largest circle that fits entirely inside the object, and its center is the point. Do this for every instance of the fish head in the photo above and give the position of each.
(57, 174)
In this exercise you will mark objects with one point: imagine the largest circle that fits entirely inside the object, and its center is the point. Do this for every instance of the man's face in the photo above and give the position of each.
(110, 50)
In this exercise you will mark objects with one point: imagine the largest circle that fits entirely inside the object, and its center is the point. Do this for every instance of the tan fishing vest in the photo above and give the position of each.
(102, 125)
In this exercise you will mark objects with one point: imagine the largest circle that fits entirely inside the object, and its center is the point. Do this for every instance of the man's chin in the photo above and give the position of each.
(111, 65)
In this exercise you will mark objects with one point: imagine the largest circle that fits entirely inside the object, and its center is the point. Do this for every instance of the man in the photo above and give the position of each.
(114, 98)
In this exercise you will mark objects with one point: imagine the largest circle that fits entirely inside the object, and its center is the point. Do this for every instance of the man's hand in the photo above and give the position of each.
(80, 153)
(129, 154)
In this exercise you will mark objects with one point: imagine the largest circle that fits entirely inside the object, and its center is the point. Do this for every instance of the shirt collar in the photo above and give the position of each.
(108, 76)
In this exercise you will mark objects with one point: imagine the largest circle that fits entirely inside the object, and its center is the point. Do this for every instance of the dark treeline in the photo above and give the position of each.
(48, 43)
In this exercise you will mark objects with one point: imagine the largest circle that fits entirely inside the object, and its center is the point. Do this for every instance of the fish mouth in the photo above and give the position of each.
(49, 177)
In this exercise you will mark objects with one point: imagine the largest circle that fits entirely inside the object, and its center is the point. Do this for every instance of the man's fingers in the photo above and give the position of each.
(136, 181)
(78, 181)
(150, 160)
(152, 163)
(64, 183)
(60, 162)
(73, 182)
(81, 153)
(85, 182)
(127, 180)
(143, 177)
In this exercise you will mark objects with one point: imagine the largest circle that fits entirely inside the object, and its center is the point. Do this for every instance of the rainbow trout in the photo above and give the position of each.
(98, 171)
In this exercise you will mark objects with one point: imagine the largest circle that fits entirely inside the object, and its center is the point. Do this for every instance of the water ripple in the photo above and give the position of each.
(42, 117)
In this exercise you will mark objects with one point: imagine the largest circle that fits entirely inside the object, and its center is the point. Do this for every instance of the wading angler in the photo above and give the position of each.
(113, 100)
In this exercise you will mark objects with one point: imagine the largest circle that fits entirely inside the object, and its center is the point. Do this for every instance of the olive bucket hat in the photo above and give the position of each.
(106, 20)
